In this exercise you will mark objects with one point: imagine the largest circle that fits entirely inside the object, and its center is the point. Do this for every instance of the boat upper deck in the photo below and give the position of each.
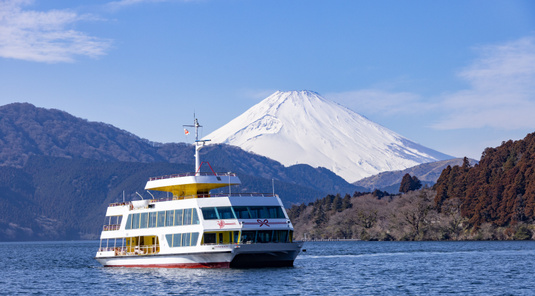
(181, 185)
(192, 174)
(150, 201)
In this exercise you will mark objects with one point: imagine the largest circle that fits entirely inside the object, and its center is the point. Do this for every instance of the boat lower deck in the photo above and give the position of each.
(221, 256)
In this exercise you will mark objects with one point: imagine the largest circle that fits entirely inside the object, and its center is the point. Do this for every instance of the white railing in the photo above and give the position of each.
(111, 227)
(198, 196)
(129, 251)
(191, 174)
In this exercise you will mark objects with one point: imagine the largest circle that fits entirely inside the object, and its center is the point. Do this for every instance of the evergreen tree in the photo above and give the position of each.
(337, 203)
(405, 185)
(346, 202)
(409, 183)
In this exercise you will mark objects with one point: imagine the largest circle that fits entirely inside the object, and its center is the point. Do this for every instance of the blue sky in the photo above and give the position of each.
(455, 76)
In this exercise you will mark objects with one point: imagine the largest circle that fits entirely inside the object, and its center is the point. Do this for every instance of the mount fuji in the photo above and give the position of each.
(302, 127)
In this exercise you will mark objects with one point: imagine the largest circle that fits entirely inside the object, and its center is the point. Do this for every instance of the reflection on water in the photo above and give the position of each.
(334, 268)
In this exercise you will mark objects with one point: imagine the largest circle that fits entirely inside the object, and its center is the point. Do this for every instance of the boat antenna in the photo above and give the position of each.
(139, 195)
(229, 192)
(198, 145)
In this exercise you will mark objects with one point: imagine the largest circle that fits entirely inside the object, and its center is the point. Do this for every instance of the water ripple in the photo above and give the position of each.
(326, 268)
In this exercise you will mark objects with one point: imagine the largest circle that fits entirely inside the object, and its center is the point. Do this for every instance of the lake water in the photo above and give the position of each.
(326, 268)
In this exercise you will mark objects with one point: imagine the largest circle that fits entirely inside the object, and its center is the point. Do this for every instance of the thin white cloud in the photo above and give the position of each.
(44, 36)
(501, 93)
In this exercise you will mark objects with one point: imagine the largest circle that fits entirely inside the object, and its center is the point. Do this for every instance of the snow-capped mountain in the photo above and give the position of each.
(303, 127)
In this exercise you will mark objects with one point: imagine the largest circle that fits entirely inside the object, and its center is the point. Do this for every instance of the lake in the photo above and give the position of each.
(326, 268)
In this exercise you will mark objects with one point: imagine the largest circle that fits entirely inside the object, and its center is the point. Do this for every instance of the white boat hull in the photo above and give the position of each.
(237, 256)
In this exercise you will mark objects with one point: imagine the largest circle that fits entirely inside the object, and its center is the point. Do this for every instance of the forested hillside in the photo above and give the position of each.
(494, 199)
(410, 216)
(53, 198)
(499, 190)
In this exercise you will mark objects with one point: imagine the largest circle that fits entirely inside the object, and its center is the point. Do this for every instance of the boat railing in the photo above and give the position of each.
(118, 204)
(196, 196)
(132, 250)
(111, 227)
(192, 174)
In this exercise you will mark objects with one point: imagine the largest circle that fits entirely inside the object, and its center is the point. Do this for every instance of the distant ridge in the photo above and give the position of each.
(27, 130)
(427, 173)
(303, 127)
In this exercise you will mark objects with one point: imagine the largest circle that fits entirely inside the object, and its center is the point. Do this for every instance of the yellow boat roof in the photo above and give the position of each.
(192, 184)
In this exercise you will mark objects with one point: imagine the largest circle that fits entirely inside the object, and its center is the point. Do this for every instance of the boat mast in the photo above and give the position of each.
(198, 145)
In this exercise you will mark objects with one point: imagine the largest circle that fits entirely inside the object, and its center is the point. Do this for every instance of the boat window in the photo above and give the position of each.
(135, 221)
(280, 236)
(236, 236)
(182, 239)
(129, 222)
(161, 219)
(264, 236)
(275, 212)
(248, 237)
(209, 238)
(186, 237)
(194, 238)
(258, 212)
(114, 220)
(242, 212)
(121, 243)
(187, 216)
(152, 219)
(209, 213)
(178, 217)
(225, 213)
(194, 217)
(143, 220)
(169, 217)
(177, 239)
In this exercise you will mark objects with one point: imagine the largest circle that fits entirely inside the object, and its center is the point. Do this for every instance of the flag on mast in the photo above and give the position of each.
(186, 132)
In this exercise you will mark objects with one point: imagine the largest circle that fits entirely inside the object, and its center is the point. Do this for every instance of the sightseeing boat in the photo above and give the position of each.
(193, 228)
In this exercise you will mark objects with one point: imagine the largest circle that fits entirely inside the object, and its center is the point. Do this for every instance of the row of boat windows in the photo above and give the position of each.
(162, 219)
(243, 212)
(149, 244)
(182, 239)
(265, 236)
(247, 237)
(190, 216)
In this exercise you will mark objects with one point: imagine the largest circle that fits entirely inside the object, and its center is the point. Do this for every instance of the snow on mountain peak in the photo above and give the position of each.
(303, 127)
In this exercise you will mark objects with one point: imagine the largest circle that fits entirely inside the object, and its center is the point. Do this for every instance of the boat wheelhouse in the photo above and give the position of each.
(194, 228)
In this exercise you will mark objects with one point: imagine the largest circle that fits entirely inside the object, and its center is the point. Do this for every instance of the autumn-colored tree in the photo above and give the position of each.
(499, 190)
